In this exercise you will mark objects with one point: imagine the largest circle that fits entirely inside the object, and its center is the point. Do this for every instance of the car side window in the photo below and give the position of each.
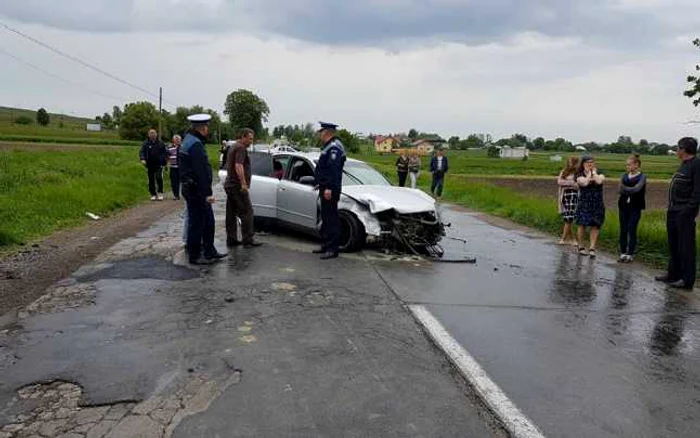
(261, 164)
(299, 168)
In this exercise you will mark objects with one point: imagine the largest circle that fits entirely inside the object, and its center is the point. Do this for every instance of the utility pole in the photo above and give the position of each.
(160, 112)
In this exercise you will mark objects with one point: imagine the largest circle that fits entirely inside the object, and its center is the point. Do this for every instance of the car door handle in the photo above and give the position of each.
(282, 189)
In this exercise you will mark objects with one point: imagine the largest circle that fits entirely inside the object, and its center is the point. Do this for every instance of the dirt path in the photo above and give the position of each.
(25, 275)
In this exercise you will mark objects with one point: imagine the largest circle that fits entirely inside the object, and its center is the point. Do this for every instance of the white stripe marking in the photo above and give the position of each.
(515, 422)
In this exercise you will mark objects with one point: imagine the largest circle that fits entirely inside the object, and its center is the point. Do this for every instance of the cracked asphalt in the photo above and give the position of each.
(269, 342)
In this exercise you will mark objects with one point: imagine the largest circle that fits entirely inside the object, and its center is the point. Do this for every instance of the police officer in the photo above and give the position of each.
(196, 176)
(683, 205)
(329, 176)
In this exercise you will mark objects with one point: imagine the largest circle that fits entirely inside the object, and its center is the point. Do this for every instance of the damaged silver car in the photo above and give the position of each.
(372, 211)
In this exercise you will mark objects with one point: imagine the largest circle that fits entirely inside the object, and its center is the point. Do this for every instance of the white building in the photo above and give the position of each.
(509, 152)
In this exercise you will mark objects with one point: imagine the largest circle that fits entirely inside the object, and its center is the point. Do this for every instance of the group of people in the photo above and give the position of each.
(410, 165)
(581, 202)
(191, 174)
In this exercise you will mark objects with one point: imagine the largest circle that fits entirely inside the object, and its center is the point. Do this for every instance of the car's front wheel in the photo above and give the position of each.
(352, 232)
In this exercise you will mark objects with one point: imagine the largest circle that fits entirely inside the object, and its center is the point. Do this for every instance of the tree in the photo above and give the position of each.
(412, 134)
(107, 122)
(42, 117)
(116, 115)
(24, 120)
(137, 119)
(246, 110)
(453, 142)
(474, 141)
(694, 91)
(538, 144)
(349, 140)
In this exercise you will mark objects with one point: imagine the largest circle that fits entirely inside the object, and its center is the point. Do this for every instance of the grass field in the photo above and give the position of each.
(532, 208)
(46, 188)
(476, 163)
(61, 129)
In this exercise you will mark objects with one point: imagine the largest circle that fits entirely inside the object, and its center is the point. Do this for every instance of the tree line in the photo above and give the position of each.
(242, 109)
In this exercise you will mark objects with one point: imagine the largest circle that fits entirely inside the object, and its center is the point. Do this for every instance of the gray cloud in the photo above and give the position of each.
(626, 23)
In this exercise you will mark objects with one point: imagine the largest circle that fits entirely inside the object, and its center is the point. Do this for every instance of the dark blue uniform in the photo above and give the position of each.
(196, 177)
(329, 176)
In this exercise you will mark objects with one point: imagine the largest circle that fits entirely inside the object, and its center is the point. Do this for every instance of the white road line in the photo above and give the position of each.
(515, 422)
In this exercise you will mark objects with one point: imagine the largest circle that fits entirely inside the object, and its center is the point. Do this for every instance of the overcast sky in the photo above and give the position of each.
(580, 69)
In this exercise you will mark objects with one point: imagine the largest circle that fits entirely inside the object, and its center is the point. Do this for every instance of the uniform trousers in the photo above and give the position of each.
(200, 227)
(330, 225)
(680, 226)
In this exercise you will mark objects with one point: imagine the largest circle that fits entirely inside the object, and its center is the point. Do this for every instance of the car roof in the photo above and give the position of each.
(313, 156)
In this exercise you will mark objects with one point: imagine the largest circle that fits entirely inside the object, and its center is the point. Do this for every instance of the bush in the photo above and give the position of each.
(24, 120)
(493, 152)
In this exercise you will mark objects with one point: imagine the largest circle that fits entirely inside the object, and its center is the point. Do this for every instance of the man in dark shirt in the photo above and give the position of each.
(683, 205)
(153, 155)
(237, 186)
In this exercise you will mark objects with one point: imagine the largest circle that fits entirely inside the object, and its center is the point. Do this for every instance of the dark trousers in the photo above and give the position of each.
(238, 205)
(200, 227)
(629, 220)
(680, 226)
(330, 226)
(175, 181)
(402, 179)
(438, 182)
(155, 176)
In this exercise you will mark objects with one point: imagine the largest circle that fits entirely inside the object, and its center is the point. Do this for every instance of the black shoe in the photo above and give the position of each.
(319, 251)
(663, 279)
(216, 255)
(680, 284)
(253, 244)
(202, 261)
(329, 255)
(232, 243)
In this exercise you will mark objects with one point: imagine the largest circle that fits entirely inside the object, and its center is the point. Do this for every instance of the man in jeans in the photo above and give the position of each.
(438, 167)
(237, 186)
(153, 156)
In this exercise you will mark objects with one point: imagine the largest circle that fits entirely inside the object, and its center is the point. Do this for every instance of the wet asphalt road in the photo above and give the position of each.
(272, 342)
(583, 347)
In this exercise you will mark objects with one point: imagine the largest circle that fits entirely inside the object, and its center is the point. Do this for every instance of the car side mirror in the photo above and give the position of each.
(307, 180)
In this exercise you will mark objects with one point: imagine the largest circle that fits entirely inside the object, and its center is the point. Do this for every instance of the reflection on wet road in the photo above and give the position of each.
(584, 347)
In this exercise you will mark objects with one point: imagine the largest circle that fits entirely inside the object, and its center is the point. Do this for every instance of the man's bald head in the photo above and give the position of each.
(152, 134)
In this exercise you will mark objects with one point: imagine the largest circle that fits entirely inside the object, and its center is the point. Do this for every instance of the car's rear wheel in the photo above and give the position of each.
(352, 232)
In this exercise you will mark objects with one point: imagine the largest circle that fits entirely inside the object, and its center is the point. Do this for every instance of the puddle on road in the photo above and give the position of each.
(140, 268)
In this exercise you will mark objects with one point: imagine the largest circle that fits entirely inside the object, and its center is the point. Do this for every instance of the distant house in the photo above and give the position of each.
(509, 152)
(581, 148)
(424, 147)
(672, 152)
(384, 145)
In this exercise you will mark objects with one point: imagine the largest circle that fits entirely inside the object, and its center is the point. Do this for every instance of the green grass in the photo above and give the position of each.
(67, 140)
(42, 190)
(61, 129)
(536, 211)
(476, 163)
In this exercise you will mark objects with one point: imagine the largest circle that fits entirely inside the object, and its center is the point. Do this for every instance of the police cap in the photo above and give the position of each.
(325, 125)
(199, 118)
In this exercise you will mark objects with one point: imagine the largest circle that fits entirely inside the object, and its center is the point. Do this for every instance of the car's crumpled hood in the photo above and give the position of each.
(382, 198)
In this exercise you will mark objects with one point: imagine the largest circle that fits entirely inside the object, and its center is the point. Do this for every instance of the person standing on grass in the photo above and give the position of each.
(568, 199)
(591, 208)
(173, 152)
(402, 167)
(632, 201)
(153, 156)
(196, 175)
(438, 167)
(237, 186)
(414, 168)
(683, 205)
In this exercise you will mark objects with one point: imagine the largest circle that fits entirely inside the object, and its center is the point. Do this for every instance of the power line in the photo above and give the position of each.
(77, 60)
(53, 75)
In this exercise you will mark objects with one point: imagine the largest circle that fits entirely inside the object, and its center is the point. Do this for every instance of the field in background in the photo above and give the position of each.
(526, 194)
(476, 163)
(44, 188)
(61, 129)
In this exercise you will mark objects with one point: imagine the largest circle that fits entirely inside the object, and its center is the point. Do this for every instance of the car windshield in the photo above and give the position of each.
(363, 174)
